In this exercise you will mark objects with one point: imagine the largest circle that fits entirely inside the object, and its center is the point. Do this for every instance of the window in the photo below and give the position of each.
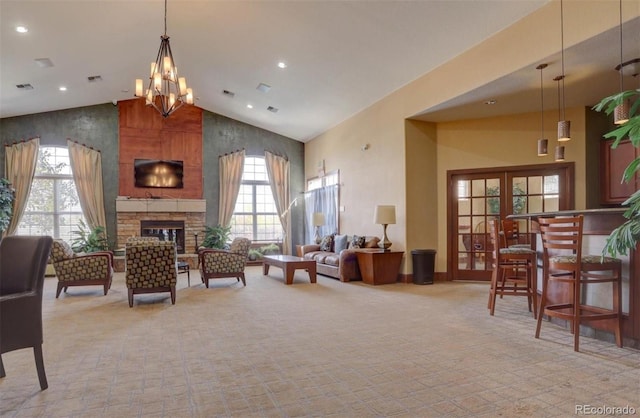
(53, 207)
(255, 215)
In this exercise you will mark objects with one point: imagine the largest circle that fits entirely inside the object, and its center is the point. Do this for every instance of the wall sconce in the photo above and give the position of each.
(317, 221)
(385, 215)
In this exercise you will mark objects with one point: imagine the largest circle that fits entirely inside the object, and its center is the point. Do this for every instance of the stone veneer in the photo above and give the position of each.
(129, 213)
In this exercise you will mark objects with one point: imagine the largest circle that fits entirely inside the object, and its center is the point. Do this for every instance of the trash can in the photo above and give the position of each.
(424, 262)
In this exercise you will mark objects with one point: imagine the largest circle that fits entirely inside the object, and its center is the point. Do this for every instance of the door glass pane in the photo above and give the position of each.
(535, 204)
(477, 187)
(463, 188)
(551, 203)
(478, 206)
(464, 206)
(535, 185)
(551, 185)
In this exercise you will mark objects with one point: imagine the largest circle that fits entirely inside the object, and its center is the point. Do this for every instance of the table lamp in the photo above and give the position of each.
(385, 215)
(318, 221)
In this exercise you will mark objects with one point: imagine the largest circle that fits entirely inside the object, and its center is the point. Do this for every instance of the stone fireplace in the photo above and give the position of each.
(166, 231)
(174, 219)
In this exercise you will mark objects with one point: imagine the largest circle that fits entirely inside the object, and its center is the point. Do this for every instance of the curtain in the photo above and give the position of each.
(324, 200)
(20, 166)
(278, 171)
(231, 166)
(86, 166)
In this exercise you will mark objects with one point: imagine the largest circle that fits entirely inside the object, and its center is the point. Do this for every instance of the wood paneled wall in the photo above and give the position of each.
(145, 134)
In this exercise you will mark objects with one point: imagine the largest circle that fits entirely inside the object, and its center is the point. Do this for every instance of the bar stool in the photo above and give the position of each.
(511, 234)
(564, 263)
(514, 271)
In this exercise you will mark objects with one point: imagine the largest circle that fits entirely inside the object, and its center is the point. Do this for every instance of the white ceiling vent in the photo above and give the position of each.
(228, 93)
(25, 86)
(263, 87)
(272, 109)
(44, 62)
(94, 78)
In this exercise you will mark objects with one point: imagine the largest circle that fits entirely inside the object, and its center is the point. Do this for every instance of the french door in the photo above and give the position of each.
(475, 197)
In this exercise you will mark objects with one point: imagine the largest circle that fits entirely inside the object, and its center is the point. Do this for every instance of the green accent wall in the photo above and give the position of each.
(97, 127)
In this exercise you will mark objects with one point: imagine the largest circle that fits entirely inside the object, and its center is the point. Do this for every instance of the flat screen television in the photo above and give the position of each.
(158, 173)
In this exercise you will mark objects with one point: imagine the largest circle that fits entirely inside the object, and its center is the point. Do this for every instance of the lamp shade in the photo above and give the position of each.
(385, 215)
(318, 219)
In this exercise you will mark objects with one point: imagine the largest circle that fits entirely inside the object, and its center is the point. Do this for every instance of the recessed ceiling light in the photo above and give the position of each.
(282, 64)
(21, 29)
(250, 106)
(62, 88)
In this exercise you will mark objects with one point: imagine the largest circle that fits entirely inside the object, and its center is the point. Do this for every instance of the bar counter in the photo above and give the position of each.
(598, 224)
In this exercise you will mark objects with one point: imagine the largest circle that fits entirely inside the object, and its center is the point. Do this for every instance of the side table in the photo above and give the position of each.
(379, 266)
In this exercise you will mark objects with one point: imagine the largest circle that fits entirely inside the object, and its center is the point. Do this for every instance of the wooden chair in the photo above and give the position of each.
(565, 263)
(514, 271)
(151, 268)
(23, 261)
(511, 234)
(92, 269)
(215, 264)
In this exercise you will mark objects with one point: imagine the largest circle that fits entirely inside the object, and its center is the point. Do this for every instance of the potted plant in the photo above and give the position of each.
(626, 236)
(89, 240)
(216, 236)
(6, 204)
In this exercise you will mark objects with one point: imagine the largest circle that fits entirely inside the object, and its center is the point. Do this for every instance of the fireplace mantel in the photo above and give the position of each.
(125, 204)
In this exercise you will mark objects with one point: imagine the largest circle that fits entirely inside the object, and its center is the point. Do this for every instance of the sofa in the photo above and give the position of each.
(335, 256)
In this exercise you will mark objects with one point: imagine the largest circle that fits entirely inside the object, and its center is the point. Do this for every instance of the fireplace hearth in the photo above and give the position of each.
(165, 230)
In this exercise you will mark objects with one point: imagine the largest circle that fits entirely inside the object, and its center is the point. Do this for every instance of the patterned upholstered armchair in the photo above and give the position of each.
(151, 268)
(81, 269)
(141, 240)
(216, 264)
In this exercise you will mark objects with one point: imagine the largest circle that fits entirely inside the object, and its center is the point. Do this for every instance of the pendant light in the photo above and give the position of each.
(621, 112)
(166, 91)
(543, 143)
(564, 126)
(559, 148)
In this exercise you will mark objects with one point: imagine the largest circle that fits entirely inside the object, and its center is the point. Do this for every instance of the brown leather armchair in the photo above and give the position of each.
(23, 261)
(215, 264)
(81, 269)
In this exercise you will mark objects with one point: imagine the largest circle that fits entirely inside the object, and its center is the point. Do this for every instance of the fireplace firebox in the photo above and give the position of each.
(166, 231)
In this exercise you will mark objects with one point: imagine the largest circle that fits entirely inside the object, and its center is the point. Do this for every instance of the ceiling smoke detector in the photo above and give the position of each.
(25, 86)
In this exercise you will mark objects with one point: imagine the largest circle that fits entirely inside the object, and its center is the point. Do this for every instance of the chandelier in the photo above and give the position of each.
(166, 91)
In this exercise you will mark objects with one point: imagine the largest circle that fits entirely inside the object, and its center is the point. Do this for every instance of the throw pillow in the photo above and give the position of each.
(372, 243)
(339, 243)
(327, 243)
(357, 242)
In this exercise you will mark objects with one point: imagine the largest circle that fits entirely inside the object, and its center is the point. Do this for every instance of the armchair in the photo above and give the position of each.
(81, 269)
(215, 264)
(23, 261)
(151, 268)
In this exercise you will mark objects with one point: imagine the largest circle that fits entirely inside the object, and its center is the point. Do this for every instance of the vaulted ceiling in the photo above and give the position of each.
(341, 56)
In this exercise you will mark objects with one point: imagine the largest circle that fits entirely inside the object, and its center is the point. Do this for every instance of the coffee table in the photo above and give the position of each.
(289, 264)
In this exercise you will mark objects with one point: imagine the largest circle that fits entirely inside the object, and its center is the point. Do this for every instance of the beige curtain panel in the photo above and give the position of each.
(86, 166)
(20, 166)
(231, 167)
(278, 170)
